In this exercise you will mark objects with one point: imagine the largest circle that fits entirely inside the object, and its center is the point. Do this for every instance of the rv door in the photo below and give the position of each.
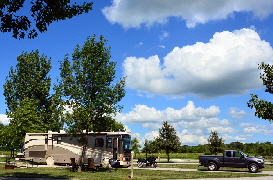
(115, 148)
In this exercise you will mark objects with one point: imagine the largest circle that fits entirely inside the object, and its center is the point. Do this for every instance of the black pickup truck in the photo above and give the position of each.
(231, 158)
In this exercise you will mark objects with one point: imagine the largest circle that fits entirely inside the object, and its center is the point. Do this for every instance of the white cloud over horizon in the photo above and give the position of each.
(4, 119)
(145, 114)
(227, 64)
(134, 13)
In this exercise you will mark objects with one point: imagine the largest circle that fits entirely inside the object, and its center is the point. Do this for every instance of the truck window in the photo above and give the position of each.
(236, 154)
(228, 153)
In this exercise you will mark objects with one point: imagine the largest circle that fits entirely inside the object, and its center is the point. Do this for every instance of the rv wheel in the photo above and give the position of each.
(105, 163)
(50, 161)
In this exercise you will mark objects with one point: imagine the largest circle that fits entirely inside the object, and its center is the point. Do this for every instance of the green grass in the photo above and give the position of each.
(120, 173)
(195, 166)
(124, 173)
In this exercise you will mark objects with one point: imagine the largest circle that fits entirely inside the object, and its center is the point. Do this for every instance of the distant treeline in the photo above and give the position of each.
(257, 149)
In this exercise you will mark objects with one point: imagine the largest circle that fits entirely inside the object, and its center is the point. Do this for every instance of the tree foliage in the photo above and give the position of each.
(215, 143)
(87, 85)
(21, 21)
(168, 140)
(263, 108)
(31, 107)
(149, 147)
(135, 146)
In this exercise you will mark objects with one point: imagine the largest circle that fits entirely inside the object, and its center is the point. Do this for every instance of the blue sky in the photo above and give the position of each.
(192, 63)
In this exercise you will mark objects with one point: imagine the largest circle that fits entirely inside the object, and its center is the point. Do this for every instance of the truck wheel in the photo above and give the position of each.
(212, 166)
(253, 168)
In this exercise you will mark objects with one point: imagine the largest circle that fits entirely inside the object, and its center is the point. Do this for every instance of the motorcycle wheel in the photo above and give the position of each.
(139, 164)
(154, 165)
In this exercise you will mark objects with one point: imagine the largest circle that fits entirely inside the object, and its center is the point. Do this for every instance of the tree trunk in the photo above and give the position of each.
(168, 155)
(84, 147)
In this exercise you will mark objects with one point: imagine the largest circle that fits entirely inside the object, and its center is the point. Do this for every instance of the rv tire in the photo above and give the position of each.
(50, 160)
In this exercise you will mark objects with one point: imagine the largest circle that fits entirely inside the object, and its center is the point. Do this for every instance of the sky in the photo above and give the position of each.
(193, 63)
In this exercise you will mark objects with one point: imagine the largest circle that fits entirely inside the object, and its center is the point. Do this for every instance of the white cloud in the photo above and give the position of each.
(134, 13)
(237, 113)
(188, 138)
(162, 46)
(4, 119)
(205, 123)
(147, 115)
(164, 35)
(227, 64)
(223, 130)
(228, 139)
(139, 44)
(251, 128)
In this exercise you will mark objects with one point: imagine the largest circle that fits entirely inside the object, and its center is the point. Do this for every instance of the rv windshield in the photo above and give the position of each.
(126, 139)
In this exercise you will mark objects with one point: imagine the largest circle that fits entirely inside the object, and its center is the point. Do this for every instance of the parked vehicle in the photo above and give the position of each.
(59, 148)
(150, 161)
(232, 158)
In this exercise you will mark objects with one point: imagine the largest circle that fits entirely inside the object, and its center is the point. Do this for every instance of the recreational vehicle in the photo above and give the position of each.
(115, 147)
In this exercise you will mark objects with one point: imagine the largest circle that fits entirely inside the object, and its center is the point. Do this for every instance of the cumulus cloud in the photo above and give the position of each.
(4, 119)
(237, 113)
(164, 35)
(227, 64)
(134, 13)
(148, 115)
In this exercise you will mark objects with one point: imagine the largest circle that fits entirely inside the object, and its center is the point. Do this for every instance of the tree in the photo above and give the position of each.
(135, 146)
(149, 147)
(216, 143)
(168, 140)
(31, 108)
(236, 146)
(87, 85)
(263, 109)
(16, 19)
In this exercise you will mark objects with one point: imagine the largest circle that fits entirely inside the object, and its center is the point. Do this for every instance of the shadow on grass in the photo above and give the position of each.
(228, 170)
(33, 175)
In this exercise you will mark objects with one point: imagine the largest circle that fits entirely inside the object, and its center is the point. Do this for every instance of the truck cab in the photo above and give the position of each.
(232, 158)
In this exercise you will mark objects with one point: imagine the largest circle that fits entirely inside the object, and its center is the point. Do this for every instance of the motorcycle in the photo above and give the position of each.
(150, 161)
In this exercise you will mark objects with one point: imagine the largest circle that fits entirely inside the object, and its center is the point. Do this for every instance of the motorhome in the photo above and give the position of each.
(53, 148)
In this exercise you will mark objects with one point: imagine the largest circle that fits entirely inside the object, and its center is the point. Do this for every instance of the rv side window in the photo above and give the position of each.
(109, 143)
(59, 140)
(99, 142)
(46, 139)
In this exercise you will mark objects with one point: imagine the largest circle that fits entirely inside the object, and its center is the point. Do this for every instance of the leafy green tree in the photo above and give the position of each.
(263, 109)
(135, 146)
(31, 108)
(215, 143)
(16, 18)
(168, 140)
(236, 146)
(149, 147)
(87, 85)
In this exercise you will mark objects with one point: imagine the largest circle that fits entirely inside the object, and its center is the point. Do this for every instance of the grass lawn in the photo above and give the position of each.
(195, 166)
(120, 173)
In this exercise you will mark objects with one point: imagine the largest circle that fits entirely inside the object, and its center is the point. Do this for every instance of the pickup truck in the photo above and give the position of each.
(231, 158)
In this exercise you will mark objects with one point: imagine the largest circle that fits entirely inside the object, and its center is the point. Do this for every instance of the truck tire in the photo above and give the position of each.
(212, 166)
(253, 168)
